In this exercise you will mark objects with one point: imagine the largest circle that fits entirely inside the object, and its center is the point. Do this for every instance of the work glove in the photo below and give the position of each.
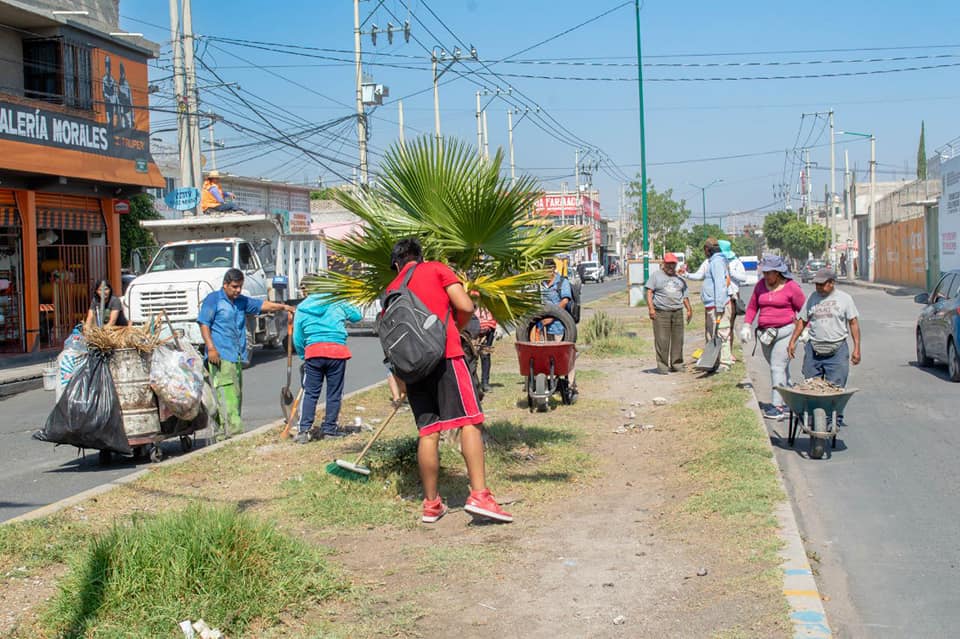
(745, 333)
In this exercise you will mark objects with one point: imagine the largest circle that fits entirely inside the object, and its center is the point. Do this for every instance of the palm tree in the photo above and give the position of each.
(464, 213)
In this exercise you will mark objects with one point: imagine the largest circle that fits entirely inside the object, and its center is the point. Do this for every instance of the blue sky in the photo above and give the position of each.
(685, 121)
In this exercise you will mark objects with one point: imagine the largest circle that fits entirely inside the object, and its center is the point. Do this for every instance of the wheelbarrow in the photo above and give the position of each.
(809, 412)
(545, 365)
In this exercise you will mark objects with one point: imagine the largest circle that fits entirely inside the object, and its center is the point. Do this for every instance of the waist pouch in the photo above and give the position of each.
(767, 336)
(825, 349)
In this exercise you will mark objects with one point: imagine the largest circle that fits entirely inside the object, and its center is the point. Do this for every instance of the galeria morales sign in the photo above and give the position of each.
(49, 128)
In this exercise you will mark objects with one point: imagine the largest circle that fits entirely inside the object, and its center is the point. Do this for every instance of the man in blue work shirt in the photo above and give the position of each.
(223, 325)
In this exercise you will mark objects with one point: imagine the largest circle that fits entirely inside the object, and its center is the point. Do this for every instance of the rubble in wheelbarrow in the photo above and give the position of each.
(818, 385)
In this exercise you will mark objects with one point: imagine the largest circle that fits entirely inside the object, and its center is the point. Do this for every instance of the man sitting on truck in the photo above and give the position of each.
(223, 325)
(213, 199)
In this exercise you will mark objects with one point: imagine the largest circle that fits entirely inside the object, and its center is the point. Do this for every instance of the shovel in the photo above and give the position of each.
(286, 397)
(710, 358)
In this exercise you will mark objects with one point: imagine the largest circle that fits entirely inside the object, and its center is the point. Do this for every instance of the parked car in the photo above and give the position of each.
(591, 272)
(810, 269)
(938, 327)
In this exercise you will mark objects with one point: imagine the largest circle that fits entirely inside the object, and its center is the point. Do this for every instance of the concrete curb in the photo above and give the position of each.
(799, 587)
(66, 502)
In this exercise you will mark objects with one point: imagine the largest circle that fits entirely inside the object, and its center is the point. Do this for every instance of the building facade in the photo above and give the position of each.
(74, 145)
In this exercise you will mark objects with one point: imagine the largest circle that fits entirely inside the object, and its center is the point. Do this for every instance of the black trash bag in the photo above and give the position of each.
(88, 413)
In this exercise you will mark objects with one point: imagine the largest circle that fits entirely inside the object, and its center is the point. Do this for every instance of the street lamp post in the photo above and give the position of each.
(643, 154)
(872, 231)
(703, 196)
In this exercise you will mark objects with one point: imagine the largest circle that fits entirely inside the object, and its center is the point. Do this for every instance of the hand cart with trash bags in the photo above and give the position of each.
(124, 390)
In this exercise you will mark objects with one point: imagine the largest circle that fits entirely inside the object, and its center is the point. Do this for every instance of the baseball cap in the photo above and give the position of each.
(824, 275)
(670, 257)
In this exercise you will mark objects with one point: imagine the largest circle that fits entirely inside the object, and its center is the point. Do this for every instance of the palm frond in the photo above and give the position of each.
(465, 215)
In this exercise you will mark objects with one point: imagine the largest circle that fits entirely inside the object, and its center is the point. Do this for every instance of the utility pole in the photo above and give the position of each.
(846, 210)
(831, 241)
(807, 186)
(872, 262)
(643, 152)
(213, 143)
(193, 115)
(361, 116)
(183, 124)
(436, 98)
(479, 129)
(513, 173)
(563, 204)
(578, 219)
(486, 140)
(400, 114)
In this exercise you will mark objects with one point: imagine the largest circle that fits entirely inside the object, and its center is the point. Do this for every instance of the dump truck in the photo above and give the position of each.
(274, 251)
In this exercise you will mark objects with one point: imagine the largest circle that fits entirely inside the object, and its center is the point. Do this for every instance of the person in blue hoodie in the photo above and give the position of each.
(320, 338)
(715, 294)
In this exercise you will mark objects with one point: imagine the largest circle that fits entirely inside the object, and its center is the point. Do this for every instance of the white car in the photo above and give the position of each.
(750, 265)
(591, 272)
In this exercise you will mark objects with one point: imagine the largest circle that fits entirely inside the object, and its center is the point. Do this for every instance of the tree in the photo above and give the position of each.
(801, 239)
(695, 239)
(132, 235)
(665, 217)
(773, 226)
(747, 244)
(326, 193)
(465, 213)
(922, 154)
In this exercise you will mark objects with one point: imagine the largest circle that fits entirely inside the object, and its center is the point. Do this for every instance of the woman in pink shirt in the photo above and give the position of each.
(775, 302)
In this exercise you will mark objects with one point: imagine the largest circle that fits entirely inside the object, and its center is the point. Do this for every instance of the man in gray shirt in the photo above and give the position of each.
(831, 316)
(667, 298)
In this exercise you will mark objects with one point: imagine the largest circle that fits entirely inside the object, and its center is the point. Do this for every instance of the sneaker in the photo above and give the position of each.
(482, 504)
(336, 434)
(433, 510)
(304, 437)
(773, 412)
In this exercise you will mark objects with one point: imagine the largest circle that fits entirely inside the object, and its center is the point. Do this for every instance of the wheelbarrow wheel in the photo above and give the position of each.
(156, 453)
(540, 393)
(817, 444)
(186, 443)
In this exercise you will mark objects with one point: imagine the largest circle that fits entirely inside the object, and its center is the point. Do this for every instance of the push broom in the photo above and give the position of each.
(353, 470)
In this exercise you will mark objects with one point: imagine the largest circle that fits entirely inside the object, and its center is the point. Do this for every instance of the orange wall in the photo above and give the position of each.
(901, 253)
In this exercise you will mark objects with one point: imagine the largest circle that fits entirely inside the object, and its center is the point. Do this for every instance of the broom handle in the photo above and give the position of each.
(173, 333)
(376, 435)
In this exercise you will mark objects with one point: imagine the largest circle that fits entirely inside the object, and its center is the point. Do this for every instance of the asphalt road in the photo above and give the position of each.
(881, 513)
(34, 474)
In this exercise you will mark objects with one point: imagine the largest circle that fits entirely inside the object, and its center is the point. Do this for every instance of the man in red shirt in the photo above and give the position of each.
(446, 398)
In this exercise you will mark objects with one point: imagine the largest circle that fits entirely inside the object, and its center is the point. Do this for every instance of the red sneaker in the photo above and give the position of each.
(482, 504)
(433, 510)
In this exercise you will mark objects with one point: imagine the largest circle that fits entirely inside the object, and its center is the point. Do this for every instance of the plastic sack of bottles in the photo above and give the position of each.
(69, 360)
(176, 377)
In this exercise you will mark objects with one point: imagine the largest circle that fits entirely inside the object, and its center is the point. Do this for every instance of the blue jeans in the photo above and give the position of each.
(834, 368)
(315, 370)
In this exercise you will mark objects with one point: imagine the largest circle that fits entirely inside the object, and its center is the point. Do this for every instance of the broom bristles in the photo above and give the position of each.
(336, 470)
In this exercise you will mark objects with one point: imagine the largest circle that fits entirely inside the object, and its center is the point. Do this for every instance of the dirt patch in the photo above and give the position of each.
(20, 597)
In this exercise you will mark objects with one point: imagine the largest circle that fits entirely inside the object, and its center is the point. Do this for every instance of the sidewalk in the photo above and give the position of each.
(19, 379)
(892, 289)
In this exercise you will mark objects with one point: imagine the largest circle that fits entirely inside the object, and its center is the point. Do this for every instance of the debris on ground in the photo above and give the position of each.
(199, 630)
(818, 385)
(659, 401)
(619, 620)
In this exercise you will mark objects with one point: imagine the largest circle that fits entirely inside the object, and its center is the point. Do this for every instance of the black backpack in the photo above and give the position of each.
(573, 306)
(414, 340)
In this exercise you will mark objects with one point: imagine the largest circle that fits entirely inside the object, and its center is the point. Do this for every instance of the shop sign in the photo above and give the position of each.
(121, 207)
(183, 199)
(56, 130)
(141, 165)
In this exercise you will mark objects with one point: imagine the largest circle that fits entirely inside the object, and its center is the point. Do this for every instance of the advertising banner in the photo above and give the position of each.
(565, 205)
(950, 215)
(110, 143)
